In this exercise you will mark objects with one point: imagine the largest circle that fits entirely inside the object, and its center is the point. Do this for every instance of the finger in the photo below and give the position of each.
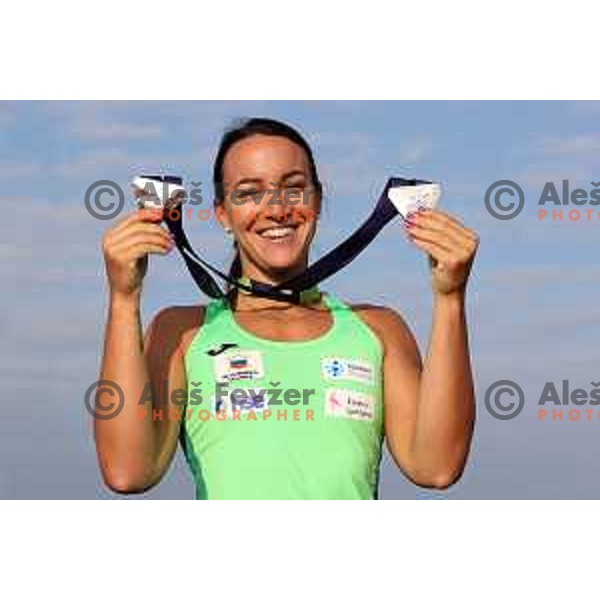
(440, 214)
(442, 218)
(125, 224)
(138, 227)
(439, 238)
(438, 221)
(467, 238)
(141, 214)
(441, 228)
(439, 253)
(457, 254)
(141, 238)
(140, 250)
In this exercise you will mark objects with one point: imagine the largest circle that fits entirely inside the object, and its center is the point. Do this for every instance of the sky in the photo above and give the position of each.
(532, 310)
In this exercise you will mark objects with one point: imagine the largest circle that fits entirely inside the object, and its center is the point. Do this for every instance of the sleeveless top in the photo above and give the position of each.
(268, 419)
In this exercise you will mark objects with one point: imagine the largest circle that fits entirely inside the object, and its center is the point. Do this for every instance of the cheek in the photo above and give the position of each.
(244, 216)
(312, 206)
(306, 213)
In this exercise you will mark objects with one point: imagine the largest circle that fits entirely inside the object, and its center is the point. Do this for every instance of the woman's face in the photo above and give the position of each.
(270, 204)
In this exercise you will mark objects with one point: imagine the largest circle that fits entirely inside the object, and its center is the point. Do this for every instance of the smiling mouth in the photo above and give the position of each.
(278, 233)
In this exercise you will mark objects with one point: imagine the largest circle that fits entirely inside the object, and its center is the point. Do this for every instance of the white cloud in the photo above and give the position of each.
(93, 161)
(101, 131)
(359, 163)
(114, 162)
(584, 144)
(537, 175)
(414, 151)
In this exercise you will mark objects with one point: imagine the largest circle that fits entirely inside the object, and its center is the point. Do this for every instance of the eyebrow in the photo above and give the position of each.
(258, 179)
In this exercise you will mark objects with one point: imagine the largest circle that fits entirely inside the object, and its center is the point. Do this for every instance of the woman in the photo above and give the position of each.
(283, 400)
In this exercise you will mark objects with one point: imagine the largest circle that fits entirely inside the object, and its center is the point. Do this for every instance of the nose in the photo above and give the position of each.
(275, 206)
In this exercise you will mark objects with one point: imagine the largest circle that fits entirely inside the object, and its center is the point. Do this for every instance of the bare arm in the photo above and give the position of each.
(446, 412)
(430, 406)
(135, 447)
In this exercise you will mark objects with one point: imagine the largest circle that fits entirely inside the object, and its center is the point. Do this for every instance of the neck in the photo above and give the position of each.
(273, 277)
(247, 301)
(251, 302)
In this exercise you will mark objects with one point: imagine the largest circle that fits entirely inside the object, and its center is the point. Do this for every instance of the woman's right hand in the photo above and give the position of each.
(126, 247)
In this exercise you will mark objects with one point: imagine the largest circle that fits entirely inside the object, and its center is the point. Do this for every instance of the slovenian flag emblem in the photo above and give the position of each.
(238, 362)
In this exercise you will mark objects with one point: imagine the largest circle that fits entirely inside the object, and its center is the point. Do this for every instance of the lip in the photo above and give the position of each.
(262, 230)
(289, 241)
(287, 238)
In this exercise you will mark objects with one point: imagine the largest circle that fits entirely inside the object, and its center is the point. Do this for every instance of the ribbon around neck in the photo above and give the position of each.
(400, 197)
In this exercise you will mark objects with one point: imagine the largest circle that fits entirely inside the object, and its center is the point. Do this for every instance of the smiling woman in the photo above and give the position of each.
(361, 362)
(256, 162)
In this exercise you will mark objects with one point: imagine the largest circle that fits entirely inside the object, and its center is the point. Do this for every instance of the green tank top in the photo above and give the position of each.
(283, 420)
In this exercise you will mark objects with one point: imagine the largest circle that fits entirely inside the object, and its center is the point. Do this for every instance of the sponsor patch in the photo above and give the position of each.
(252, 399)
(337, 368)
(216, 350)
(237, 366)
(349, 404)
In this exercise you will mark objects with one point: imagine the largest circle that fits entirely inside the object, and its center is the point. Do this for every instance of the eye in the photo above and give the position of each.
(246, 193)
(241, 196)
(294, 192)
(295, 187)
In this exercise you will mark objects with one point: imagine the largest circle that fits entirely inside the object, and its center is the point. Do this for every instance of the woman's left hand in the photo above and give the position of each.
(450, 245)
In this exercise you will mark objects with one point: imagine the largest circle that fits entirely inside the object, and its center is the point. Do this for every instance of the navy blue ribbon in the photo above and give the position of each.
(290, 290)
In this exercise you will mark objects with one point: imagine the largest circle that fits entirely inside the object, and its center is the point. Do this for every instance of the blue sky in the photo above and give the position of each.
(532, 305)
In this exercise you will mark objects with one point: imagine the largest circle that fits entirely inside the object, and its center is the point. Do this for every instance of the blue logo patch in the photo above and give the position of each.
(335, 368)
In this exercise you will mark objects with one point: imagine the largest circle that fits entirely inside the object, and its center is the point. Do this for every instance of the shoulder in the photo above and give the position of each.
(387, 323)
(175, 326)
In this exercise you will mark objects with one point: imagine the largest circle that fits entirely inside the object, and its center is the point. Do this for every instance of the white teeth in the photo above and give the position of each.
(278, 232)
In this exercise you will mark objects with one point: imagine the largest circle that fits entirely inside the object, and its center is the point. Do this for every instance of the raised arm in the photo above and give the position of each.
(430, 404)
(135, 447)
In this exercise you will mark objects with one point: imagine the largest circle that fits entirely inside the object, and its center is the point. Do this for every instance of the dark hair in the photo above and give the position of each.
(241, 130)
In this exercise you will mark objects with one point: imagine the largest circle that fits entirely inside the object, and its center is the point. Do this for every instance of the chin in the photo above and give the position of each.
(280, 258)
(283, 268)
(284, 265)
